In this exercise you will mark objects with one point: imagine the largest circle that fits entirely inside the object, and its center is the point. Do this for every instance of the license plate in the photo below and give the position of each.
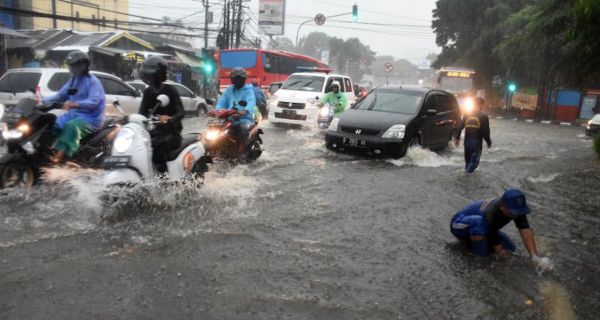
(289, 112)
(215, 122)
(354, 142)
(116, 161)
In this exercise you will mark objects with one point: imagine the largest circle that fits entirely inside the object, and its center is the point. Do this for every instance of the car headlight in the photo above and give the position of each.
(12, 134)
(2, 107)
(333, 126)
(395, 132)
(273, 101)
(212, 135)
(124, 140)
(590, 123)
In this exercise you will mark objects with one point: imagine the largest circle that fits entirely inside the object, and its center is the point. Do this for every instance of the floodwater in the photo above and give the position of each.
(305, 233)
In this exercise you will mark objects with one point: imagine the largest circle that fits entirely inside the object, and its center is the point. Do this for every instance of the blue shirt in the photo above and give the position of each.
(231, 97)
(90, 96)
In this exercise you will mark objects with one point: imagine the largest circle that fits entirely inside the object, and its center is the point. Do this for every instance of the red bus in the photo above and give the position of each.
(263, 66)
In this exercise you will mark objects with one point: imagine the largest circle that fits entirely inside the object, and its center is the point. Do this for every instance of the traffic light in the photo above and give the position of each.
(354, 13)
(512, 87)
(208, 62)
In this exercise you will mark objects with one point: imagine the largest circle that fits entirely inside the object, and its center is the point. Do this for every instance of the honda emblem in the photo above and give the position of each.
(357, 131)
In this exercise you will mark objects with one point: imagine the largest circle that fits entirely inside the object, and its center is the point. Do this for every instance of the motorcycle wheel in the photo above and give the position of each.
(15, 175)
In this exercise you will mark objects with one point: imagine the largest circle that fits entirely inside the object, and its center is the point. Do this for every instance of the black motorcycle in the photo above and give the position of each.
(29, 140)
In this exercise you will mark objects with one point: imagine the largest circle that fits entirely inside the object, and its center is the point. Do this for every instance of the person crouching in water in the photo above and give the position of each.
(477, 129)
(479, 224)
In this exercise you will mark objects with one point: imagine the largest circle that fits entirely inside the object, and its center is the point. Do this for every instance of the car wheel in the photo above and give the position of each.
(201, 110)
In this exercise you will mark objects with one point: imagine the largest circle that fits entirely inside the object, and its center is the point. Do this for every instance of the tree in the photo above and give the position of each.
(281, 43)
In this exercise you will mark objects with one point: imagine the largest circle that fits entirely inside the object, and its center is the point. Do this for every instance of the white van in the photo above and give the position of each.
(297, 101)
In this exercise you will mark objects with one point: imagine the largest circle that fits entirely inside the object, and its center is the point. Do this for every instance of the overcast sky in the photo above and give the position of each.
(410, 38)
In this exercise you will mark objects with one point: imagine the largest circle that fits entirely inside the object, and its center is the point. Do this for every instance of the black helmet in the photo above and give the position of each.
(238, 72)
(238, 77)
(77, 56)
(154, 71)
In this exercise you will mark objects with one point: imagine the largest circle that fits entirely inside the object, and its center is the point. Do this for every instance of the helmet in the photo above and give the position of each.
(238, 77)
(238, 72)
(77, 56)
(154, 71)
(335, 84)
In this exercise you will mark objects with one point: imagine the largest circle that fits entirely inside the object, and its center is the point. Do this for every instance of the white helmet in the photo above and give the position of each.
(335, 83)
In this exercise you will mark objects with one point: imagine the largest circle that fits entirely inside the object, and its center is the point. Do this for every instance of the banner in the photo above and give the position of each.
(525, 100)
(271, 16)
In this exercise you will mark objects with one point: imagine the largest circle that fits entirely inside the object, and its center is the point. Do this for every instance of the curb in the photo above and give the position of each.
(560, 123)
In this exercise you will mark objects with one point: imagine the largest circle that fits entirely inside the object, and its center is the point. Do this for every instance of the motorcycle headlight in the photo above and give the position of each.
(333, 126)
(395, 132)
(124, 140)
(23, 127)
(212, 135)
(324, 112)
(469, 105)
(12, 134)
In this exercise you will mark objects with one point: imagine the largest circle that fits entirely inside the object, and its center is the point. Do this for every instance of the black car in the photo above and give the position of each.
(392, 118)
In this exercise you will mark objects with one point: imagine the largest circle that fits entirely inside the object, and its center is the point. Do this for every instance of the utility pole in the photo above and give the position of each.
(54, 14)
(205, 2)
(238, 30)
(226, 23)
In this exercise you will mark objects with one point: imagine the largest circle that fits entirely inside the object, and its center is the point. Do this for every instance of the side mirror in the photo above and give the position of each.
(431, 112)
(164, 100)
(274, 87)
(137, 93)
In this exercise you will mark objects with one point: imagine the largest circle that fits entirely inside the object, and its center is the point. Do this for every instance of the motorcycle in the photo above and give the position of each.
(220, 140)
(130, 160)
(325, 116)
(29, 139)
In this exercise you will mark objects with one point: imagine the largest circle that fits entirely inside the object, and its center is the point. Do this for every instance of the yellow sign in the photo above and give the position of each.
(458, 74)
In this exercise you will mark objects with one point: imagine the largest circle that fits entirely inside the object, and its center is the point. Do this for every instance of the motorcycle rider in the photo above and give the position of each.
(166, 136)
(261, 100)
(84, 100)
(232, 96)
(477, 129)
(336, 99)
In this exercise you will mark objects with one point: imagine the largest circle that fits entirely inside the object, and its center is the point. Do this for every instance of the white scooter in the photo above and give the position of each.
(131, 155)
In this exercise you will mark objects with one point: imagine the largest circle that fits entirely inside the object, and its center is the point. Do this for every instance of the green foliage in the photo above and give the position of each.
(597, 145)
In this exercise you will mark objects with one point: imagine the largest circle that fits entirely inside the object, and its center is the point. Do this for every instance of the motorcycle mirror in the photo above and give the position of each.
(164, 100)
(243, 103)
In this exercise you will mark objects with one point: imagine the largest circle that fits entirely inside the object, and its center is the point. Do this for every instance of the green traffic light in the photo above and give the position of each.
(512, 87)
(354, 13)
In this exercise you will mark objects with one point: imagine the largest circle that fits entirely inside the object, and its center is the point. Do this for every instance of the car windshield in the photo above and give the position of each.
(19, 82)
(304, 83)
(392, 100)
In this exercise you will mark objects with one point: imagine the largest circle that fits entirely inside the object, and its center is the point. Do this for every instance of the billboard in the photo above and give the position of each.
(271, 16)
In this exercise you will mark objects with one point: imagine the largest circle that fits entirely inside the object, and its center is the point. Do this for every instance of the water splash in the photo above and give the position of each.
(426, 158)
(543, 178)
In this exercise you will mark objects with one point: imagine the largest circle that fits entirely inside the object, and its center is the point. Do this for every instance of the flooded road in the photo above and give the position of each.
(305, 233)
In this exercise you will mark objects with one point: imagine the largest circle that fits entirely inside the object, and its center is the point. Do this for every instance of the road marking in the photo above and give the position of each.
(546, 122)
(565, 123)
(529, 120)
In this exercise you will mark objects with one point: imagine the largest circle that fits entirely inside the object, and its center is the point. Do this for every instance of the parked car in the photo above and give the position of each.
(593, 126)
(391, 119)
(192, 104)
(17, 84)
(297, 101)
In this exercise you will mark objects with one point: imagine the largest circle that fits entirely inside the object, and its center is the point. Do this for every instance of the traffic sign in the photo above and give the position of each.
(320, 19)
(388, 67)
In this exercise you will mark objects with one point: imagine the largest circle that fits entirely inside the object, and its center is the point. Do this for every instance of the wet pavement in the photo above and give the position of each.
(305, 233)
